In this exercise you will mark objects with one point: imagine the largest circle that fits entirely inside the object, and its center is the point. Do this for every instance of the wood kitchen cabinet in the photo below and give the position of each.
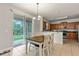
(46, 25)
(65, 25)
(61, 26)
(71, 25)
(77, 25)
(72, 35)
(53, 27)
(58, 26)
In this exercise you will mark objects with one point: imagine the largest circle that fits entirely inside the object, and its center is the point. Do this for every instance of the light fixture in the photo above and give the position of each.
(38, 17)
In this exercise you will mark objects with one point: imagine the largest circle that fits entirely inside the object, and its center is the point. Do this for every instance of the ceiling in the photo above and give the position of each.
(50, 11)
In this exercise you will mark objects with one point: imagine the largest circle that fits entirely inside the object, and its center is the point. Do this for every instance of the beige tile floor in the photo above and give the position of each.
(69, 48)
(19, 51)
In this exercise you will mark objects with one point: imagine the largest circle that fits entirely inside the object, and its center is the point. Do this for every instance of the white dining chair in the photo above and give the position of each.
(46, 45)
(51, 44)
(35, 46)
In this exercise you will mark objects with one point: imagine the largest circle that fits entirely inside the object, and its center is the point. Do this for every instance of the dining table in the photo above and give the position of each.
(34, 41)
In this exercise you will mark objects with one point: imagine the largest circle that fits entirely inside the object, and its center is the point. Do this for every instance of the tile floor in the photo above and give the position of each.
(19, 51)
(69, 48)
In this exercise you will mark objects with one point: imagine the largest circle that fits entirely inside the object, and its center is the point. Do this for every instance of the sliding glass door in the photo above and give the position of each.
(18, 35)
(22, 28)
(28, 28)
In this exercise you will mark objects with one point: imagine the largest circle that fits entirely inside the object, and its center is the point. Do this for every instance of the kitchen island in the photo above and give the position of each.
(57, 37)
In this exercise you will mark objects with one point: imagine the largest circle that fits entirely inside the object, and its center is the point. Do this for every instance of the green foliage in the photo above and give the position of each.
(17, 29)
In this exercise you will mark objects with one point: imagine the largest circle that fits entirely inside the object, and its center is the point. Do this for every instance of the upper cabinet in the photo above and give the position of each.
(71, 25)
(46, 25)
(65, 25)
(62, 25)
(77, 25)
(54, 26)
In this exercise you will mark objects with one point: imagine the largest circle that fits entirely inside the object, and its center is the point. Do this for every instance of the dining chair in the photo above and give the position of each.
(51, 44)
(46, 45)
(34, 45)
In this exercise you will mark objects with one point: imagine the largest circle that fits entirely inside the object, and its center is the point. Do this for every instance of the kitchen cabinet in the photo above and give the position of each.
(64, 25)
(72, 35)
(53, 27)
(77, 25)
(71, 25)
(46, 25)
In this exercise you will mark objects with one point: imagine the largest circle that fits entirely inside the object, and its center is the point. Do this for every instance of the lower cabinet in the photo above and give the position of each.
(72, 35)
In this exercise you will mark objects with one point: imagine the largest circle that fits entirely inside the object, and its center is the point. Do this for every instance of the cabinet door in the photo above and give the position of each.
(48, 26)
(44, 25)
(72, 35)
(77, 25)
(52, 27)
(71, 26)
(61, 26)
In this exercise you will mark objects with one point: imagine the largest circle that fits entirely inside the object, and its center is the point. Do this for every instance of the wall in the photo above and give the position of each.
(37, 26)
(6, 17)
(20, 12)
(6, 20)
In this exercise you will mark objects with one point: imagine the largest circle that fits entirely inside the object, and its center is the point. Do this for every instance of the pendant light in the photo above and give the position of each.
(38, 17)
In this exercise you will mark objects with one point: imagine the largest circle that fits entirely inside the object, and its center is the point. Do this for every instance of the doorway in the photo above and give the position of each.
(22, 28)
(18, 26)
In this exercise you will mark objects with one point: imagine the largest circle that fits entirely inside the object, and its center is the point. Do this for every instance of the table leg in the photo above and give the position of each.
(40, 50)
(28, 49)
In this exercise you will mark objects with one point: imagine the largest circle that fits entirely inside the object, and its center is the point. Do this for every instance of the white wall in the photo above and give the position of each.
(20, 12)
(37, 26)
(5, 27)
(6, 20)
